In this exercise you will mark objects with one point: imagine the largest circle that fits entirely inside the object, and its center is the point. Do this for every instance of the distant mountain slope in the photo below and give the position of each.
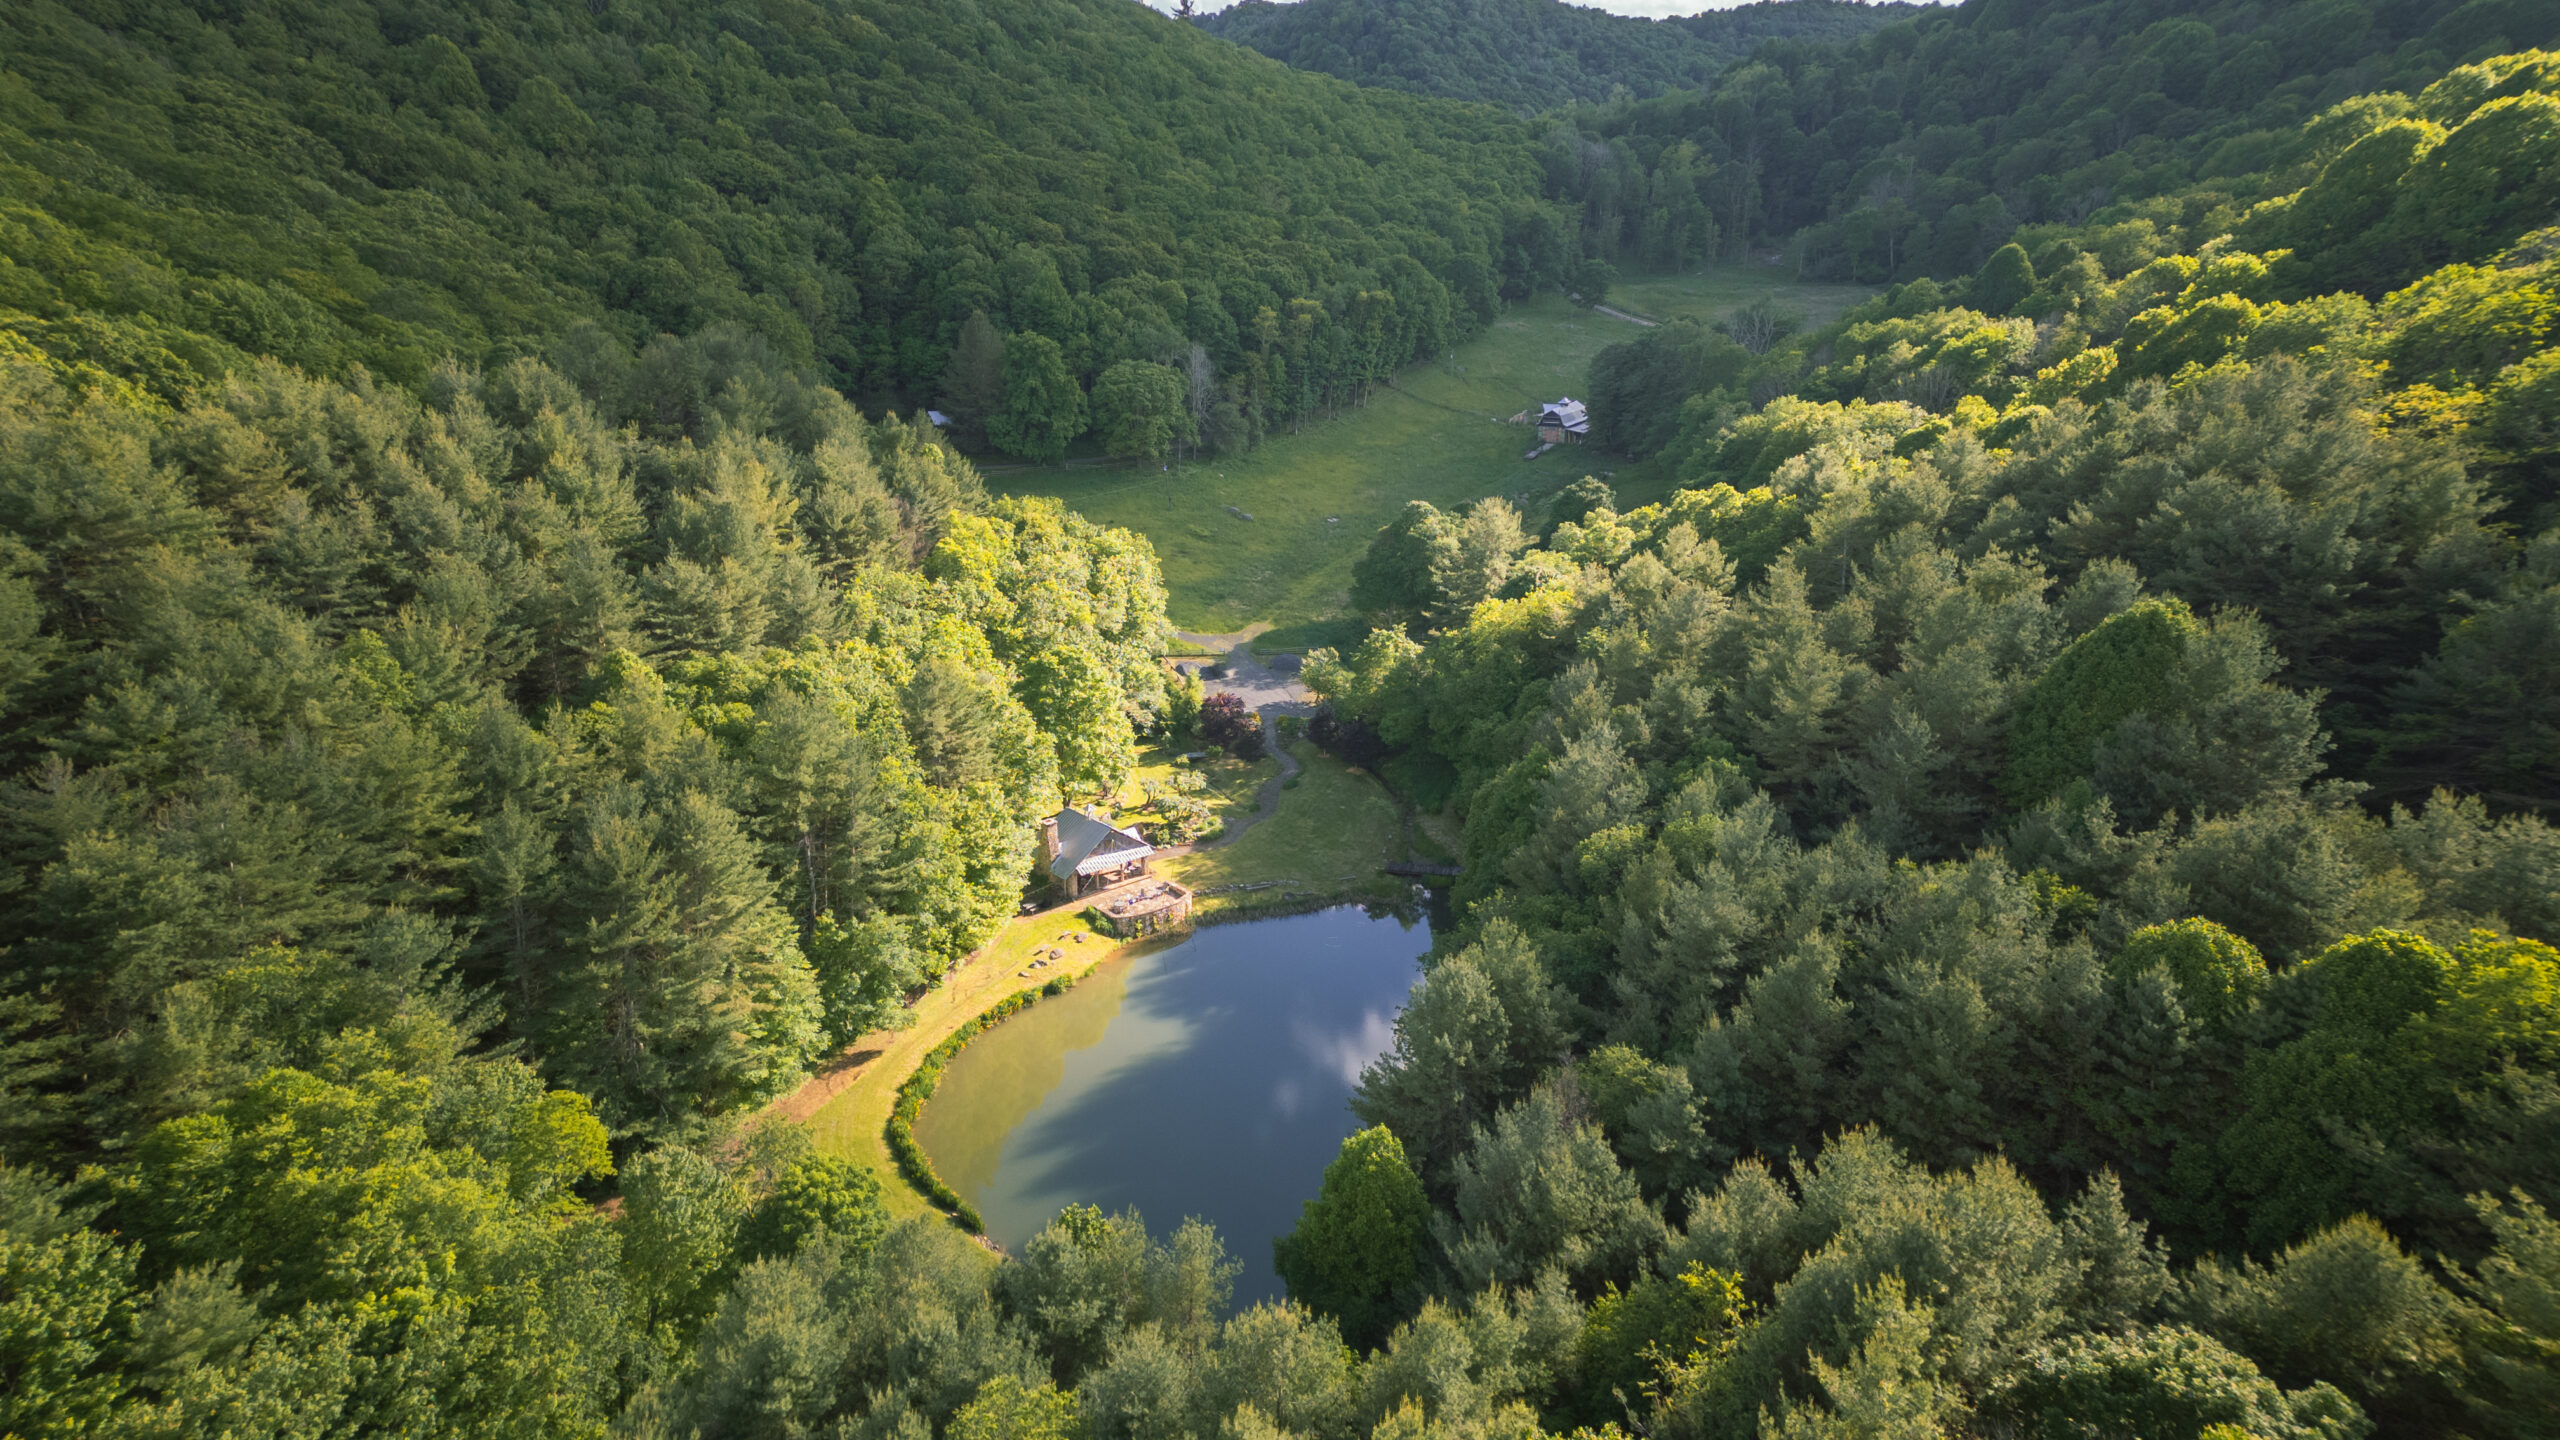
(388, 182)
(1917, 149)
(1528, 54)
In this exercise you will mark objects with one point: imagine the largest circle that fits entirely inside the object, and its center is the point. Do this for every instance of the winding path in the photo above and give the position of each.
(1266, 799)
(1268, 694)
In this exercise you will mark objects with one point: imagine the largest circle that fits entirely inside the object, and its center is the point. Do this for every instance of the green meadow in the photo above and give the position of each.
(1333, 831)
(1271, 536)
(1711, 293)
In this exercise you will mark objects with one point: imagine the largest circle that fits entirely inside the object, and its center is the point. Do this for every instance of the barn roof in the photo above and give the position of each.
(1567, 412)
(1088, 844)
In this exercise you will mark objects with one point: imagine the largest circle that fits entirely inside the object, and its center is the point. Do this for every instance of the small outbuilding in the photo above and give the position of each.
(1564, 422)
(1085, 853)
(1150, 907)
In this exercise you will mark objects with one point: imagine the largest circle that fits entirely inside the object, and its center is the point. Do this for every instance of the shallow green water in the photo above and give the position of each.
(1205, 1078)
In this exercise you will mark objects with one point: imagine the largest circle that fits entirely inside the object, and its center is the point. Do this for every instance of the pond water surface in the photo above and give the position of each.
(1206, 1077)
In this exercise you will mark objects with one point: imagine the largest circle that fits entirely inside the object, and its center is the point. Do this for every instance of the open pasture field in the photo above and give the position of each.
(1316, 497)
(1714, 291)
(1271, 536)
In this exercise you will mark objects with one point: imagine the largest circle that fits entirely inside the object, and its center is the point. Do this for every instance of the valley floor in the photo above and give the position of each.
(1260, 548)
(1270, 536)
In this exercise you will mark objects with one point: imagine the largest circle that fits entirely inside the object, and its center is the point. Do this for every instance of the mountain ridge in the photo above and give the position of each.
(1529, 55)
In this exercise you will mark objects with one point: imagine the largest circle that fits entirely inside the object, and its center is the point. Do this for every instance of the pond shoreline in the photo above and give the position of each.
(853, 1104)
(1206, 1079)
(915, 1166)
(911, 1162)
(1323, 845)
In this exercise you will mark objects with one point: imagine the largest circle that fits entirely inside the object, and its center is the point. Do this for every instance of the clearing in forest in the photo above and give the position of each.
(1713, 293)
(1315, 498)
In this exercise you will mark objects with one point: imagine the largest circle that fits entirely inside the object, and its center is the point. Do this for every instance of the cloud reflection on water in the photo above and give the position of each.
(1216, 1089)
(1346, 1053)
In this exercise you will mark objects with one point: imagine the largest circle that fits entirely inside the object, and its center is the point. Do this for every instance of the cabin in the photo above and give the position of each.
(1086, 853)
(1564, 422)
(1092, 859)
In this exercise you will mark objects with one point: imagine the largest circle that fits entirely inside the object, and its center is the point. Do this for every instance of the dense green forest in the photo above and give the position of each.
(1916, 149)
(2017, 902)
(1529, 56)
(2084, 732)
(417, 794)
(390, 184)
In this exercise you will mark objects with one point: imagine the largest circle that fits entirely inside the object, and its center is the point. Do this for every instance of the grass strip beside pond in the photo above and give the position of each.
(847, 1109)
(913, 1163)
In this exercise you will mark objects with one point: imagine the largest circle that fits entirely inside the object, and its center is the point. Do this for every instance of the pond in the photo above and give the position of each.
(1205, 1077)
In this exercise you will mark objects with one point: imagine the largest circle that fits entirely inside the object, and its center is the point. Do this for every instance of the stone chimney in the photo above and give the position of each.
(1048, 840)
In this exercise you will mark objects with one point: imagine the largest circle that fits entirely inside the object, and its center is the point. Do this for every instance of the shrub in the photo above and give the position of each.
(2217, 973)
(1224, 721)
(1350, 741)
(2168, 1384)
(2104, 677)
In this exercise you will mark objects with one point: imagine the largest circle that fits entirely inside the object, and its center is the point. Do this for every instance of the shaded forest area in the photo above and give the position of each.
(1916, 150)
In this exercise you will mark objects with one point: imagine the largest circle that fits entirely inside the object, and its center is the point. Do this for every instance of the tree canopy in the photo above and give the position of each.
(188, 189)
(1529, 55)
(2016, 762)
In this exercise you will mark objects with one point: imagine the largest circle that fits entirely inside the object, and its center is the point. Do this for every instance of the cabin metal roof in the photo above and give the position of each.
(1088, 845)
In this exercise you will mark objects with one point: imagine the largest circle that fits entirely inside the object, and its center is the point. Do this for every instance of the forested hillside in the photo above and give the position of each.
(1914, 150)
(392, 184)
(435, 789)
(2019, 899)
(1529, 56)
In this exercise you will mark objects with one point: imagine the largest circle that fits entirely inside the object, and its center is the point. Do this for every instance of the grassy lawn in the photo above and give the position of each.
(1232, 782)
(1333, 830)
(1438, 836)
(848, 1113)
(1316, 497)
(1711, 292)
